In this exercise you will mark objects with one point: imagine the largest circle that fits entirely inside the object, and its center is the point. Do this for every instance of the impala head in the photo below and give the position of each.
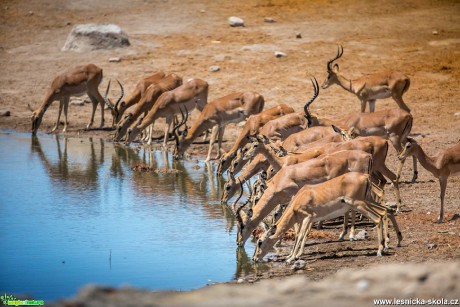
(347, 135)
(332, 71)
(312, 121)
(264, 245)
(408, 149)
(122, 127)
(179, 149)
(239, 156)
(279, 151)
(132, 133)
(224, 162)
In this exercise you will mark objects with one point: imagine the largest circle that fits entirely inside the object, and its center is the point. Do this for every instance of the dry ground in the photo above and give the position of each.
(420, 38)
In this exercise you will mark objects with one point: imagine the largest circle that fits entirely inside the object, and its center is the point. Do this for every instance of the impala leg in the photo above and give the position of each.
(219, 141)
(304, 239)
(66, 109)
(380, 237)
(297, 236)
(299, 239)
(401, 103)
(93, 112)
(166, 132)
(353, 220)
(345, 226)
(212, 140)
(386, 232)
(443, 183)
(363, 106)
(371, 105)
(395, 180)
(61, 103)
(392, 218)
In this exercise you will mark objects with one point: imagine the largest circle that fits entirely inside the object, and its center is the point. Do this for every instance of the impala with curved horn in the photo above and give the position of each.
(369, 88)
(193, 93)
(136, 94)
(146, 102)
(393, 125)
(75, 82)
(217, 114)
(251, 127)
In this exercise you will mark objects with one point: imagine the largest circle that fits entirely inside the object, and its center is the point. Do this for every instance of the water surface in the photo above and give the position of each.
(73, 212)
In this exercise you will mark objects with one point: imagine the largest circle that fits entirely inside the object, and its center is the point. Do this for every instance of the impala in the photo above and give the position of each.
(393, 124)
(193, 93)
(252, 126)
(75, 82)
(333, 198)
(291, 178)
(232, 108)
(442, 165)
(136, 94)
(368, 88)
(146, 103)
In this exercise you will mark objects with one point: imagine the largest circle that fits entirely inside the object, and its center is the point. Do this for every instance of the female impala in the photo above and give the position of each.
(442, 165)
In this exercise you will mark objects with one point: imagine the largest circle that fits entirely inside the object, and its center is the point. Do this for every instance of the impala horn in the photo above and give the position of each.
(182, 122)
(339, 54)
(307, 105)
(119, 99)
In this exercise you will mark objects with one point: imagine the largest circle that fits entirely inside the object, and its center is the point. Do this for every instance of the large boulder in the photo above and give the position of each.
(87, 37)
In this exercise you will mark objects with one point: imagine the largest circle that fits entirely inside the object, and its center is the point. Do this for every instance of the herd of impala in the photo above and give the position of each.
(310, 169)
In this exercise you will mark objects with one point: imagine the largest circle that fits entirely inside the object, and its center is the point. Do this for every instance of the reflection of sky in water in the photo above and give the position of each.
(67, 205)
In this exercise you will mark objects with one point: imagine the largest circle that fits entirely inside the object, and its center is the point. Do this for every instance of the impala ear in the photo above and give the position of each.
(273, 230)
(336, 129)
(335, 68)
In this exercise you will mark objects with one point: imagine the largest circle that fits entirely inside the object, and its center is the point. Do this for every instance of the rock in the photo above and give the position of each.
(298, 35)
(115, 59)
(280, 54)
(235, 22)
(5, 113)
(30, 13)
(214, 68)
(240, 280)
(361, 235)
(435, 32)
(202, 11)
(298, 265)
(77, 102)
(269, 20)
(432, 245)
(87, 37)
(457, 114)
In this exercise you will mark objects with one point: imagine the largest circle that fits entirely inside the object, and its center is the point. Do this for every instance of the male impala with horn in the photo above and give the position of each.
(217, 114)
(136, 94)
(193, 93)
(370, 87)
(251, 127)
(75, 82)
(145, 104)
(393, 124)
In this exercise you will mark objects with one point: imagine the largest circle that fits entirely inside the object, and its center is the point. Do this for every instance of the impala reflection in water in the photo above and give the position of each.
(73, 212)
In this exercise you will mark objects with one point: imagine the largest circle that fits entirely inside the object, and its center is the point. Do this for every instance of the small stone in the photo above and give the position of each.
(362, 235)
(30, 13)
(280, 54)
(432, 245)
(203, 11)
(214, 68)
(235, 22)
(362, 285)
(451, 233)
(435, 32)
(77, 102)
(298, 35)
(115, 59)
(269, 20)
(457, 114)
(298, 265)
(5, 113)
(68, 23)
(240, 280)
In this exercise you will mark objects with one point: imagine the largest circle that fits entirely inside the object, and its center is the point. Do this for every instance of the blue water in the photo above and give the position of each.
(72, 212)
